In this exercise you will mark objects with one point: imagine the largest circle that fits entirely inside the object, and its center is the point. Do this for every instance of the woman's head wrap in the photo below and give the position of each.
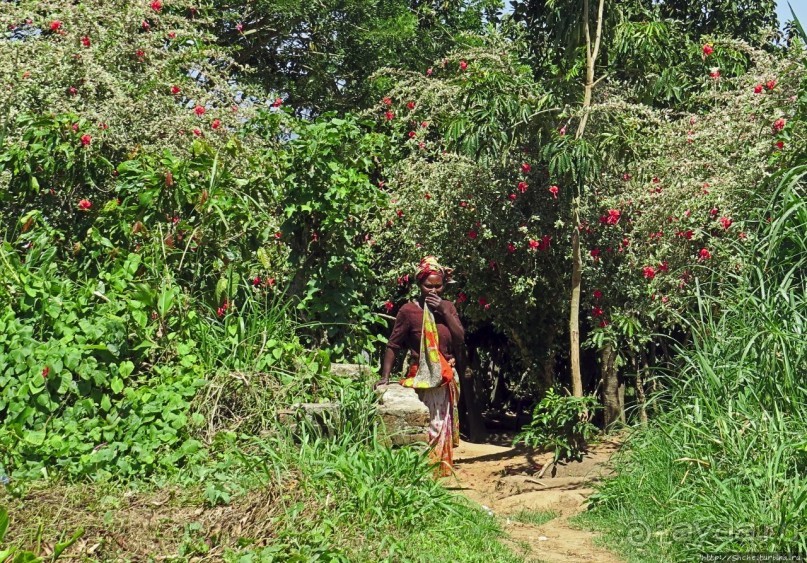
(428, 266)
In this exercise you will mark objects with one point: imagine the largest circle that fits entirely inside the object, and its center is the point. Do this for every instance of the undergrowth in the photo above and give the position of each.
(723, 469)
(288, 496)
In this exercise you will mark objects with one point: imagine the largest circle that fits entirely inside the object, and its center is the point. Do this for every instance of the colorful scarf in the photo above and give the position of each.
(432, 369)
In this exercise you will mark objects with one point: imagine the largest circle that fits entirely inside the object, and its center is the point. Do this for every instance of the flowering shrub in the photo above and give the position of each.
(665, 220)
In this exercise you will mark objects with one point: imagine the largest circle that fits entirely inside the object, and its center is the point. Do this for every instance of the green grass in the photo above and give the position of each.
(723, 469)
(534, 517)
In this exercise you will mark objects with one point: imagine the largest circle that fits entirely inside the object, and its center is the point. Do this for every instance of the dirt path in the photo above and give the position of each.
(504, 479)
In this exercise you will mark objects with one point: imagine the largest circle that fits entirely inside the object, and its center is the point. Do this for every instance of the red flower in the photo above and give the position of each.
(277, 103)
(278, 235)
(140, 54)
(156, 5)
(511, 247)
(175, 90)
(145, 25)
(708, 50)
(546, 240)
(758, 89)
(85, 204)
(512, 197)
(778, 125)
(483, 303)
(649, 272)
(597, 294)
(742, 236)
(534, 244)
(596, 312)
(612, 218)
(390, 115)
(45, 372)
(403, 280)
(72, 91)
(713, 212)
(86, 140)
(663, 267)
(595, 253)
(770, 84)
(779, 145)
(424, 124)
(463, 204)
(726, 222)
(216, 124)
(525, 168)
(389, 306)
(197, 131)
(463, 65)
(412, 134)
(472, 235)
(427, 195)
(714, 73)
(103, 126)
(462, 298)
(239, 27)
(603, 323)
(256, 281)
(522, 187)
(410, 105)
(172, 35)
(199, 110)
(685, 234)
(221, 311)
(429, 71)
(626, 176)
(387, 101)
(554, 191)
(55, 25)
(85, 41)
(704, 254)
(399, 213)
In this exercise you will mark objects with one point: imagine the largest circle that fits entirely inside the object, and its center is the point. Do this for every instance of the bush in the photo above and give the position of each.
(561, 424)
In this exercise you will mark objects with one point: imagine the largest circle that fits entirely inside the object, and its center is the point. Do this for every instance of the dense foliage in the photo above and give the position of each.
(203, 204)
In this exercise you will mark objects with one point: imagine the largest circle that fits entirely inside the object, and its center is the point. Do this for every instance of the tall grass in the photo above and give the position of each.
(724, 469)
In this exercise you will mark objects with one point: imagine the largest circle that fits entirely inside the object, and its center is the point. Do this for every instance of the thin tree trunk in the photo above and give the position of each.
(641, 398)
(592, 50)
(610, 386)
(473, 411)
(574, 312)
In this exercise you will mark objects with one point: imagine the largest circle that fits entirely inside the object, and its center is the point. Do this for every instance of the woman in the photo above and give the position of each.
(430, 329)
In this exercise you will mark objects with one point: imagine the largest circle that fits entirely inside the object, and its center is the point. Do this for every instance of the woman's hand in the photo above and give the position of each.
(435, 302)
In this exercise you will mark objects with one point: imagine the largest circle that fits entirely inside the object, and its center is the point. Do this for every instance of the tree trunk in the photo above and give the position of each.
(473, 411)
(592, 50)
(610, 386)
(641, 398)
(574, 314)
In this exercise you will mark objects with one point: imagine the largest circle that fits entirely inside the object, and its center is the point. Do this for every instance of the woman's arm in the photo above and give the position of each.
(386, 364)
(449, 313)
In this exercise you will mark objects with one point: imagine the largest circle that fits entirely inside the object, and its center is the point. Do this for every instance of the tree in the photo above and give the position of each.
(319, 55)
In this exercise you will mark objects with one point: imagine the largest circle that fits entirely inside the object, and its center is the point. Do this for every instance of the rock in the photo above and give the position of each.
(403, 414)
(353, 371)
(320, 415)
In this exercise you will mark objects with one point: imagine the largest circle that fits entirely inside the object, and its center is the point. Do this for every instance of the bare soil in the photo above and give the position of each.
(506, 480)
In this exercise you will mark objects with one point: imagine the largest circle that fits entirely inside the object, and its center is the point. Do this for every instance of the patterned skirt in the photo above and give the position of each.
(444, 424)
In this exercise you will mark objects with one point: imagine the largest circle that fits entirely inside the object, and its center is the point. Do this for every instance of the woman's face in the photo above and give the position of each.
(432, 284)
